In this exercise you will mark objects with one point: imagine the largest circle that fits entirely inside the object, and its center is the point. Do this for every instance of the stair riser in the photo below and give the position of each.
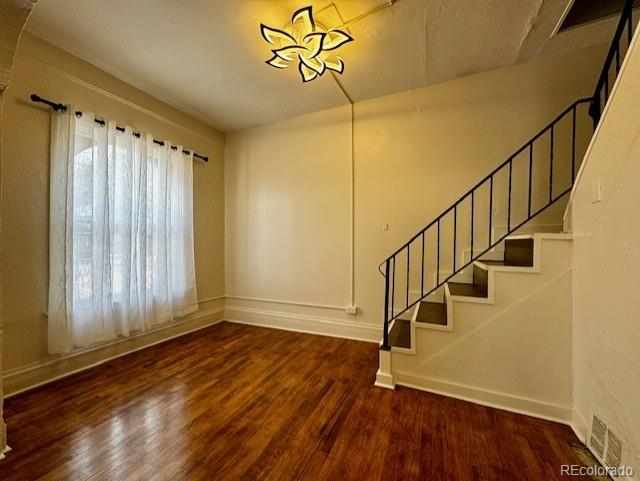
(518, 252)
(480, 278)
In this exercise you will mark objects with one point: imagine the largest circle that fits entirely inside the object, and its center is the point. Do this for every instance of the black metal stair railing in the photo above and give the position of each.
(502, 180)
(617, 51)
(452, 225)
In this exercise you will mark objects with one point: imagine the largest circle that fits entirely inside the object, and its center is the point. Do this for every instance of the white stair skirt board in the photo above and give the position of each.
(510, 350)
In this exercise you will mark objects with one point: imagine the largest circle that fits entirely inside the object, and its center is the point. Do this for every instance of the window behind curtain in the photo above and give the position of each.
(121, 240)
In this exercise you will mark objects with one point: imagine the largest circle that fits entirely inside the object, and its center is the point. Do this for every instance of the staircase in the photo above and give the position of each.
(484, 256)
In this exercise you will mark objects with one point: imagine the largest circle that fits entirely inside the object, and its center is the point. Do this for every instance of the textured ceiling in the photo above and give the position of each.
(206, 57)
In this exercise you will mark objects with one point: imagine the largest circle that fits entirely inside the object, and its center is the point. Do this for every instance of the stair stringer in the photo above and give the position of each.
(513, 352)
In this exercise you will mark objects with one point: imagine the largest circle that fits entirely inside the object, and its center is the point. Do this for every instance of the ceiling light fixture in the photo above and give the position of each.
(307, 43)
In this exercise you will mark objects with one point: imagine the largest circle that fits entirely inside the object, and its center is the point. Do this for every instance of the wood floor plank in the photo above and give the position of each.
(234, 402)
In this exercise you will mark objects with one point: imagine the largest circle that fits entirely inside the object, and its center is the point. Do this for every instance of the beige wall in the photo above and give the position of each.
(52, 73)
(14, 14)
(288, 183)
(606, 267)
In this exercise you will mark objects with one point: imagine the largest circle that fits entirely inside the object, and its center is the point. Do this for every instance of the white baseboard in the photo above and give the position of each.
(4, 452)
(307, 323)
(483, 397)
(384, 380)
(38, 374)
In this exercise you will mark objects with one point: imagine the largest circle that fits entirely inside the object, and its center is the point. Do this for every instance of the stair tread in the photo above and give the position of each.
(492, 262)
(466, 290)
(432, 313)
(400, 335)
(502, 263)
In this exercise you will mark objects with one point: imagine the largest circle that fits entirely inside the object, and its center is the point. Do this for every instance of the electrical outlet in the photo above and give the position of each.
(353, 310)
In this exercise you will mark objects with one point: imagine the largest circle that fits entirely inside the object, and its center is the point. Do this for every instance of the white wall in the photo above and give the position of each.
(287, 184)
(606, 275)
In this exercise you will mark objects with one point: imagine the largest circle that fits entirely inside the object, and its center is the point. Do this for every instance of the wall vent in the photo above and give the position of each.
(597, 439)
(614, 450)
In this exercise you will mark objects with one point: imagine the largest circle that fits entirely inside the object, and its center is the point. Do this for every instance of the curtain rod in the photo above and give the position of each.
(58, 107)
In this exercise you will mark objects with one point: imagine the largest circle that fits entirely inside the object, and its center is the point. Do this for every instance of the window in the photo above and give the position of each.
(121, 233)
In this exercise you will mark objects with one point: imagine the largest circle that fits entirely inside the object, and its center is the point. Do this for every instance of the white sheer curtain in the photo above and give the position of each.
(121, 233)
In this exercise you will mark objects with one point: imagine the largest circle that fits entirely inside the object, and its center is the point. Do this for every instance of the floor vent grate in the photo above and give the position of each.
(597, 439)
(587, 458)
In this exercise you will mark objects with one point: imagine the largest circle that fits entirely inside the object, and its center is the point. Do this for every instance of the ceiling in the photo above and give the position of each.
(206, 57)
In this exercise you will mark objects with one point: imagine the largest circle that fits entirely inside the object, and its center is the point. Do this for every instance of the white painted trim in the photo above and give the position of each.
(543, 235)
(4, 452)
(476, 300)
(562, 18)
(288, 303)
(383, 380)
(185, 110)
(499, 230)
(485, 397)
(21, 371)
(79, 352)
(384, 376)
(210, 299)
(518, 269)
(304, 323)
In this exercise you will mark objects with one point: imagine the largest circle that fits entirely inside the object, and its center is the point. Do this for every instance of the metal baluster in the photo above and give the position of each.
(438, 256)
(509, 201)
(472, 205)
(422, 270)
(393, 289)
(408, 267)
(530, 175)
(573, 147)
(455, 224)
(551, 169)
(490, 206)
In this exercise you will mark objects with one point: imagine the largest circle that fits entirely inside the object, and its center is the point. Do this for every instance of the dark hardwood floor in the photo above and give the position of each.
(234, 402)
